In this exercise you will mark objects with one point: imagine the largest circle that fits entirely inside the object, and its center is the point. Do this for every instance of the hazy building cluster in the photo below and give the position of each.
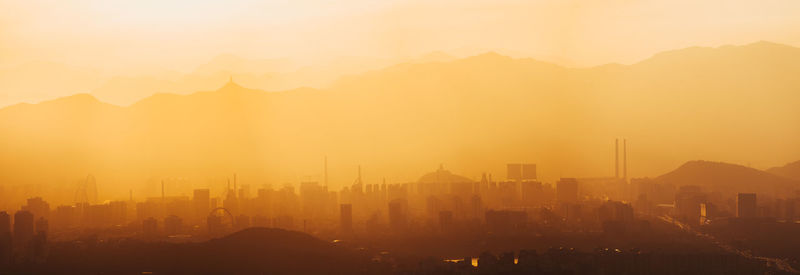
(439, 203)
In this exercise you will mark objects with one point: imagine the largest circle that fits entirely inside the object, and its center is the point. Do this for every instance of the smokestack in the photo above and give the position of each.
(234, 185)
(616, 158)
(625, 159)
(359, 174)
(162, 191)
(326, 171)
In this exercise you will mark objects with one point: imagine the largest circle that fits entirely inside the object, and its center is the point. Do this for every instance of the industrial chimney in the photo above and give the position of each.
(616, 158)
(625, 159)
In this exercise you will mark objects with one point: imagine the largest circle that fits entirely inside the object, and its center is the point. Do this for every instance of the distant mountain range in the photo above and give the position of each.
(24, 83)
(734, 103)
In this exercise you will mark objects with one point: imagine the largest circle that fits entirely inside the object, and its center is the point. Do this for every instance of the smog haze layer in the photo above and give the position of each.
(133, 93)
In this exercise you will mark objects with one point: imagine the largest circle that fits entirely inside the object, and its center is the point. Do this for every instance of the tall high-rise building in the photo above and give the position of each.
(23, 227)
(5, 222)
(5, 239)
(746, 205)
(567, 190)
(346, 217)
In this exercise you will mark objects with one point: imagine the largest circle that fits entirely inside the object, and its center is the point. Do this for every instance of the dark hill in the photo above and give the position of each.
(791, 170)
(251, 251)
(725, 178)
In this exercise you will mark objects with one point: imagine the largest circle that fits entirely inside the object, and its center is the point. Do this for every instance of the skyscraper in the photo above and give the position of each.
(5, 222)
(23, 227)
(5, 239)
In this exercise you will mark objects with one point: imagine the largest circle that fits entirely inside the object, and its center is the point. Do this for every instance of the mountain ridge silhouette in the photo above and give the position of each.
(473, 114)
(727, 177)
(790, 170)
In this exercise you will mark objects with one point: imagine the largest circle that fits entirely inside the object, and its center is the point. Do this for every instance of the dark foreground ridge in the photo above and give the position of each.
(250, 251)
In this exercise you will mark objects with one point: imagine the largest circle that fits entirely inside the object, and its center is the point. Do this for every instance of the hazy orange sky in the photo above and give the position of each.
(690, 104)
(127, 37)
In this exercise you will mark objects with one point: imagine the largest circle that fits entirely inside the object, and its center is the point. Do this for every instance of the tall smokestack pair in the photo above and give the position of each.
(624, 158)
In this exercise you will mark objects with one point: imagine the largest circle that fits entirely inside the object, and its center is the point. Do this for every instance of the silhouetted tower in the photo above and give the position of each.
(616, 158)
(5, 223)
(625, 159)
(23, 227)
(163, 195)
(228, 189)
(5, 239)
(326, 172)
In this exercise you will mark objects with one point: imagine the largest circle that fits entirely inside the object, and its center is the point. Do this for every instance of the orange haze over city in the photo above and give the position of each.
(364, 131)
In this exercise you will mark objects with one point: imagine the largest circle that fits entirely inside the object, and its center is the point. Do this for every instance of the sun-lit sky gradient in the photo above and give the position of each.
(143, 36)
